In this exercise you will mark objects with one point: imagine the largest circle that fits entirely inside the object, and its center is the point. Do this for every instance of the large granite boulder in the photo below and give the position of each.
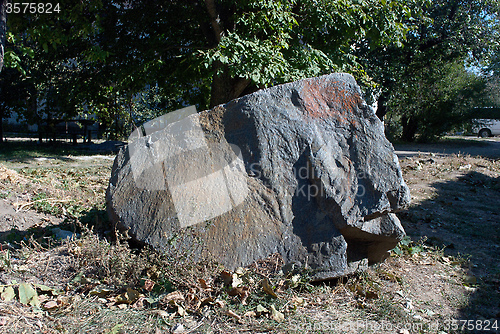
(302, 169)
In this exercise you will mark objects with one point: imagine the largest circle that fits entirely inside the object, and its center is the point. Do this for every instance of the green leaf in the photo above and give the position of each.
(115, 329)
(406, 241)
(77, 279)
(261, 309)
(397, 251)
(28, 295)
(276, 315)
(8, 294)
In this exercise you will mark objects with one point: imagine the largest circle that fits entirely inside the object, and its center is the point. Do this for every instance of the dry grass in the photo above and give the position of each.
(106, 286)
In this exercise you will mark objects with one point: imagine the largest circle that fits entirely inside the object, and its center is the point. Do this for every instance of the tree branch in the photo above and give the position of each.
(214, 19)
(3, 30)
(239, 86)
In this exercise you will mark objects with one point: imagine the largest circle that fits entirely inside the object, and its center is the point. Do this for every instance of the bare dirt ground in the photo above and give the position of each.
(444, 278)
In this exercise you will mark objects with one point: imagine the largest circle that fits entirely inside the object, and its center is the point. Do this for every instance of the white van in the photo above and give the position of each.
(486, 127)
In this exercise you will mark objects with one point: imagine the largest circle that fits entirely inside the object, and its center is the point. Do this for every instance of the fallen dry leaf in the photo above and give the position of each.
(181, 311)
(206, 301)
(220, 303)
(243, 292)
(128, 297)
(237, 281)
(28, 295)
(276, 315)
(204, 284)
(261, 310)
(251, 314)
(9, 174)
(139, 303)
(297, 301)
(227, 278)
(148, 285)
(47, 290)
(193, 299)
(8, 294)
(232, 314)
(160, 313)
(266, 286)
(100, 292)
(173, 297)
(52, 304)
(241, 271)
(178, 329)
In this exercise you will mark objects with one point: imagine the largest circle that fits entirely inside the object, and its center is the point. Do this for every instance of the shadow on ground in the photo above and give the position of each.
(28, 150)
(463, 216)
(484, 147)
(49, 235)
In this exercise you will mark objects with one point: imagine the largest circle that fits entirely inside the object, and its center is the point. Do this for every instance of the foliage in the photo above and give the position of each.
(417, 86)
(100, 56)
(436, 100)
(3, 31)
(270, 42)
(96, 57)
(149, 104)
(408, 247)
(46, 48)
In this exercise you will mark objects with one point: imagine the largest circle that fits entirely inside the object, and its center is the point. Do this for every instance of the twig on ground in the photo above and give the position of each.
(49, 200)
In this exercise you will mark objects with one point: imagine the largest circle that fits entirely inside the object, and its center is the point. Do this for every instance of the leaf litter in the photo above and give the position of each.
(103, 286)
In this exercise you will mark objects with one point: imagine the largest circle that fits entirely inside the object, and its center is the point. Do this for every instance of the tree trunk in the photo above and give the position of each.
(224, 87)
(3, 30)
(1, 122)
(410, 126)
(382, 106)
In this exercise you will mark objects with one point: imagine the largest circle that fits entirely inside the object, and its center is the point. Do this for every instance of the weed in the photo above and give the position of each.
(408, 247)
(5, 260)
(110, 263)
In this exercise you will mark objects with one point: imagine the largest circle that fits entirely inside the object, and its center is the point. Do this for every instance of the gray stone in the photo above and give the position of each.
(309, 175)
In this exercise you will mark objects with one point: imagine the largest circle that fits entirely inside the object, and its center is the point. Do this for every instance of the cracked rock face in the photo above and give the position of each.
(301, 169)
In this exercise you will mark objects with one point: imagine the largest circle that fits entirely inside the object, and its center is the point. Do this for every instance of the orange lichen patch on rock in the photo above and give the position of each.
(332, 100)
(212, 122)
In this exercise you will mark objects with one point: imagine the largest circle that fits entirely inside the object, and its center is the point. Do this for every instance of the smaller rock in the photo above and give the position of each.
(63, 234)
(178, 328)
(52, 304)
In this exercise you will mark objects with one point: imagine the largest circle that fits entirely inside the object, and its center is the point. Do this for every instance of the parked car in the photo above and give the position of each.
(486, 127)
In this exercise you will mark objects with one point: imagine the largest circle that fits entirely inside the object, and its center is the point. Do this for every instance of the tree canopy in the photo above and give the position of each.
(444, 44)
(100, 56)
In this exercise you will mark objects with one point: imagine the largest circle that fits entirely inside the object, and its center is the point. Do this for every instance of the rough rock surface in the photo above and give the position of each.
(322, 181)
